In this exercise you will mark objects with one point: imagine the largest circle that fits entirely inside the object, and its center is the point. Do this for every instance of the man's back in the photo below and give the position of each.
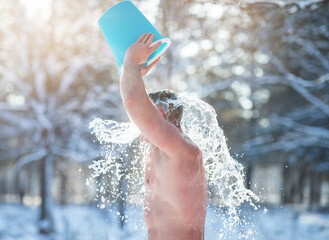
(176, 199)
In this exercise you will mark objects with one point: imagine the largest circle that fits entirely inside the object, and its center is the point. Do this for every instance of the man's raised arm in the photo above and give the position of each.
(138, 105)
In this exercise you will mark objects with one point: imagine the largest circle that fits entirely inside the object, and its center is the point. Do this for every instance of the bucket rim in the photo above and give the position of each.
(114, 6)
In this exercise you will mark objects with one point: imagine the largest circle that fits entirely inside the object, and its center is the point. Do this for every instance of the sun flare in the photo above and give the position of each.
(36, 9)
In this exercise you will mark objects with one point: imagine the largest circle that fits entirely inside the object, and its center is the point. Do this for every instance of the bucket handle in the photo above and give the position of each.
(163, 40)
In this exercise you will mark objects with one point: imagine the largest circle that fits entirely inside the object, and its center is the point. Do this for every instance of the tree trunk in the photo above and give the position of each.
(2, 179)
(21, 184)
(64, 182)
(122, 202)
(122, 188)
(285, 183)
(315, 188)
(248, 175)
(46, 224)
(301, 183)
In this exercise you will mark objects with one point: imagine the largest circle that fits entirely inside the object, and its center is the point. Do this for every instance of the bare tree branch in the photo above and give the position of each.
(311, 98)
(31, 157)
(318, 132)
(282, 4)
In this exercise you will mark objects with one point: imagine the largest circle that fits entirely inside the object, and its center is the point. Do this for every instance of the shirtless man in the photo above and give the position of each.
(176, 199)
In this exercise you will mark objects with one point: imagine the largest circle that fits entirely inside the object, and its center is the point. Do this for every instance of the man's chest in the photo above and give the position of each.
(155, 168)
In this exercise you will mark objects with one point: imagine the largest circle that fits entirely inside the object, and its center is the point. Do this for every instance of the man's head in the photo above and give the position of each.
(164, 99)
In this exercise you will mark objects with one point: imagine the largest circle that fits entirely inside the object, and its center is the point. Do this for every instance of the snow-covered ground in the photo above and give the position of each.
(91, 223)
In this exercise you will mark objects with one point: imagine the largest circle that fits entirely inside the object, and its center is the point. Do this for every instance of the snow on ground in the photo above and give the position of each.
(91, 223)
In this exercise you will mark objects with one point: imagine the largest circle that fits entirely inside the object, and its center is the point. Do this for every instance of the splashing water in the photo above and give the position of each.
(125, 155)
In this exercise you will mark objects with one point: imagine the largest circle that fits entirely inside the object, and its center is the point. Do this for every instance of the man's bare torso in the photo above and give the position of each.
(176, 199)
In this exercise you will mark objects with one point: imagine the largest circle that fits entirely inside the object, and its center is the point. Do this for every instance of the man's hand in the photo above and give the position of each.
(139, 52)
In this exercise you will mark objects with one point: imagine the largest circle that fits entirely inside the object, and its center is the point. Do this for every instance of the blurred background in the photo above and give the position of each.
(263, 66)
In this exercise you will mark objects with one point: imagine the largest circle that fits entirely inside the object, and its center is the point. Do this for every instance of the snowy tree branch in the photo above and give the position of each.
(298, 135)
(318, 132)
(282, 4)
(28, 158)
(21, 85)
(297, 87)
(311, 98)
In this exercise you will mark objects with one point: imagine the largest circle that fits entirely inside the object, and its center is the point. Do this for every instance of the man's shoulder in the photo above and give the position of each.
(180, 145)
(188, 151)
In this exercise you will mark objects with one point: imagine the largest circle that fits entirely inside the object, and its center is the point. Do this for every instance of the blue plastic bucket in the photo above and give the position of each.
(122, 25)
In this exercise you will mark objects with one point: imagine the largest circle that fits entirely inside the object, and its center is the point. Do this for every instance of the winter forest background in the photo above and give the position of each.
(263, 66)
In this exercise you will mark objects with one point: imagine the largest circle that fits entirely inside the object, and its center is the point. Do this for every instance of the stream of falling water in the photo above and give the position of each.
(120, 172)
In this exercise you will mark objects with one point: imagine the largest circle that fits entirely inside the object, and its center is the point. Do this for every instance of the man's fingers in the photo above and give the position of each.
(150, 40)
(145, 70)
(146, 38)
(140, 39)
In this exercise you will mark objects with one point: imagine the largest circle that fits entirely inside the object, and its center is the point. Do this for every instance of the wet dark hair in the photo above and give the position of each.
(173, 112)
